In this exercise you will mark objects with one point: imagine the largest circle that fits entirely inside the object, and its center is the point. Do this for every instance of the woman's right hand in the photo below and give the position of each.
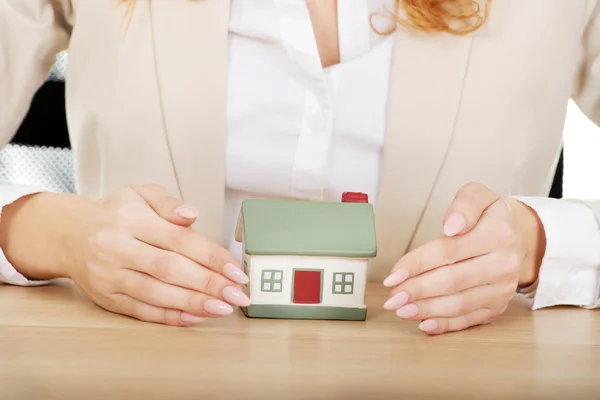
(133, 253)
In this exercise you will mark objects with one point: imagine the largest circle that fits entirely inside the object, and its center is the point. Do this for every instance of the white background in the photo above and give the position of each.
(582, 156)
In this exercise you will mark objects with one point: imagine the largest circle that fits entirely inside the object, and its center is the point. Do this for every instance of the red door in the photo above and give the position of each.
(307, 287)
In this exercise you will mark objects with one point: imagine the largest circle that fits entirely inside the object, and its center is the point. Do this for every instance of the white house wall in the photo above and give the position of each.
(287, 264)
(247, 267)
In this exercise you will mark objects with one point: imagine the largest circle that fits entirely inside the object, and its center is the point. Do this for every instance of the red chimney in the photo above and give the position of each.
(355, 197)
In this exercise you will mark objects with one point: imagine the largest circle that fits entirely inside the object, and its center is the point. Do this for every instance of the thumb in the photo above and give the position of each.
(466, 209)
(167, 206)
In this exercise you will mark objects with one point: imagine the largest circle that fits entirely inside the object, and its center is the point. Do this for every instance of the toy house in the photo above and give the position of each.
(307, 259)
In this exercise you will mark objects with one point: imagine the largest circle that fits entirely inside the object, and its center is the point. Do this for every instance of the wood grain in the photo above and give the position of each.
(56, 344)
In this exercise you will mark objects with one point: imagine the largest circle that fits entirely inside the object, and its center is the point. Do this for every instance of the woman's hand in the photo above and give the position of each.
(133, 253)
(468, 277)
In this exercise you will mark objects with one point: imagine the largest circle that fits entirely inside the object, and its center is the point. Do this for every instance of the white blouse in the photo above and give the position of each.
(298, 130)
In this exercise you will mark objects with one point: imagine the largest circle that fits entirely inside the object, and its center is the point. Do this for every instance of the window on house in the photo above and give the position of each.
(271, 280)
(343, 283)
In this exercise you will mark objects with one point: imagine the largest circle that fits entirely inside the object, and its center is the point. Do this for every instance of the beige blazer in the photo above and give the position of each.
(149, 105)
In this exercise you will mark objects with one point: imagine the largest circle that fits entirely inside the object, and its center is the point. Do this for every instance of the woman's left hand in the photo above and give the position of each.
(467, 277)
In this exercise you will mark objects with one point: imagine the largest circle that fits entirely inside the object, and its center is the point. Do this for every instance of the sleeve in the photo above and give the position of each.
(8, 274)
(586, 93)
(32, 32)
(570, 270)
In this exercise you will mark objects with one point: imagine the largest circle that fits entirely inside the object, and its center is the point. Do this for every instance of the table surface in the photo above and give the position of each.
(56, 344)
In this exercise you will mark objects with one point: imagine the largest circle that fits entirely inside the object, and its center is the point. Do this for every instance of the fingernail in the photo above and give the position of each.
(186, 212)
(396, 278)
(217, 307)
(428, 326)
(236, 297)
(234, 273)
(455, 223)
(396, 301)
(191, 319)
(408, 311)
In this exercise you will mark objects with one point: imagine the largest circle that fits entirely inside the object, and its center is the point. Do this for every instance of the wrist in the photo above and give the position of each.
(38, 234)
(532, 235)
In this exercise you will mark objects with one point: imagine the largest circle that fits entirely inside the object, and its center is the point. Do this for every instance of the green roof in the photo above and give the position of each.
(307, 228)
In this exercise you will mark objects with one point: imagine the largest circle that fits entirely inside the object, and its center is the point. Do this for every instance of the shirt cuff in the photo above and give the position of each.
(8, 274)
(570, 270)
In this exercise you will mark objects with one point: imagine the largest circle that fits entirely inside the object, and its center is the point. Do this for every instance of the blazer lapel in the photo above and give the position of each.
(190, 40)
(425, 91)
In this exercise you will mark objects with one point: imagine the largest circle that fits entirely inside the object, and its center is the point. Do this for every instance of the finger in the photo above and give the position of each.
(437, 253)
(127, 305)
(447, 280)
(175, 269)
(148, 290)
(190, 244)
(466, 209)
(436, 326)
(465, 302)
(167, 206)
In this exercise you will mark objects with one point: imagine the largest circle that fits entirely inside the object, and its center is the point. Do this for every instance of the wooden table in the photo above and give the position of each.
(56, 344)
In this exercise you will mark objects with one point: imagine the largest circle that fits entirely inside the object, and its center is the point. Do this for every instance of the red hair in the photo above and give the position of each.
(457, 17)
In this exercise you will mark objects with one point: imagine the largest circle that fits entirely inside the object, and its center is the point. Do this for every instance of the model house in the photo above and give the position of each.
(307, 259)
